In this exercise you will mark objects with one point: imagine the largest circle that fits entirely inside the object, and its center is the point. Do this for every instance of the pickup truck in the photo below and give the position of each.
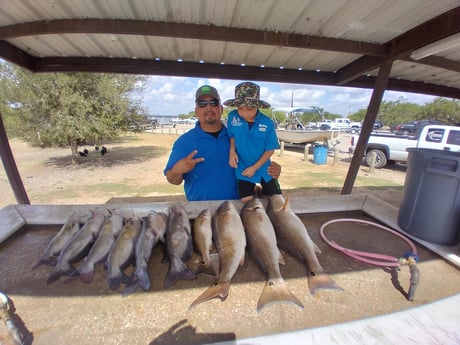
(391, 148)
(343, 124)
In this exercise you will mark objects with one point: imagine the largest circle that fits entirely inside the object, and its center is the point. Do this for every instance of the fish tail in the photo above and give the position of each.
(37, 265)
(214, 291)
(132, 286)
(69, 280)
(54, 276)
(321, 281)
(59, 272)
(86, 271)
(178, 270)
(86, 275)
(116, 280)
(277, 292)
(49, 261)
(144, 280)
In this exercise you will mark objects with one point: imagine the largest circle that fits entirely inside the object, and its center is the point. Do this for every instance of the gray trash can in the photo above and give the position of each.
(430, 206)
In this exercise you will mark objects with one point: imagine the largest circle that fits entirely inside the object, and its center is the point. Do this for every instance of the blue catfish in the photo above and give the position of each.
(78, 246)
(51, 254)
(153, 231)
(293, 237)
(121, 254)
(101, 248)
(179, 245)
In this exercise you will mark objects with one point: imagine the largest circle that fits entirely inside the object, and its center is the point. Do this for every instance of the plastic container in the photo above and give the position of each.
(320, 154)
(430, 206)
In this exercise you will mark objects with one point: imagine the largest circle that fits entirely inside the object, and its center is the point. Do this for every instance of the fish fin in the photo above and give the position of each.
(58, 273)
(115, 281)
(49, 261)
(281, 260)
(144, 280)
(86, 271)
(214, 291)
(132, 286)
(316, 248)
(70, 279)
(277, 292)
(178, 270)
(86, 276)
(54, 276)
(36, 265)
(321, 281)
(242, 260)
(206, 268)
(286, 204)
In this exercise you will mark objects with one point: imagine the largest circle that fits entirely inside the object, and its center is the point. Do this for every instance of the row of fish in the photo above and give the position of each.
(262, 231)
(107, 237)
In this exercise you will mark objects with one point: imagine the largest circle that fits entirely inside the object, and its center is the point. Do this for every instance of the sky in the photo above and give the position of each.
(172, 96)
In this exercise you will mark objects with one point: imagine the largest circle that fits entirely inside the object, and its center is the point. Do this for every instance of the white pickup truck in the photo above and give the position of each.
(342, 123)
(390, 148)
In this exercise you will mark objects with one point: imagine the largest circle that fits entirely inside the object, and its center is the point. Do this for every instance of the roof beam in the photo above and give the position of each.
(436, 61)
(14, 55)
(187, 30)
(233, 72)
(445, 25)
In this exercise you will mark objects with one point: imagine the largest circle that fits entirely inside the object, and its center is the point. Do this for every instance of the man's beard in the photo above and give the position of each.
(210, 119)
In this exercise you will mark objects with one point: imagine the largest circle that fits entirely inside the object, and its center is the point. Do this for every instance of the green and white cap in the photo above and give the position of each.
(206, 90)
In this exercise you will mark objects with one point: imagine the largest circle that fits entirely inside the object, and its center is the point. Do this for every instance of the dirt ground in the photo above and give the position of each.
(133, 168)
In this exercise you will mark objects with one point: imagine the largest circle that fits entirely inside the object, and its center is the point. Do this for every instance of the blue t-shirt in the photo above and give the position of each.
(252, 142)
(212, 179)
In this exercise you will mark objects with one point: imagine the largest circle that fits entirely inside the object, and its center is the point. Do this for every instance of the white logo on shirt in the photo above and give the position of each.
(262, 127)
(236, 122)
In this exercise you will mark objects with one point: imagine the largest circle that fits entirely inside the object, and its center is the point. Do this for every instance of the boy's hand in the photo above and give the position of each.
(249, 172)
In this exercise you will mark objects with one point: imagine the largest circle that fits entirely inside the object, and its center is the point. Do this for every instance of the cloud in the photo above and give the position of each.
(164, 95)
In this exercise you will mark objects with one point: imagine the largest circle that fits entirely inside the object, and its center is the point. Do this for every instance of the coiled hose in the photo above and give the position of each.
(409, 258)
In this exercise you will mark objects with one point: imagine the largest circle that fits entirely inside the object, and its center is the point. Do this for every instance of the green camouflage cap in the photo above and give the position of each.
(247, 94)
(206, 90)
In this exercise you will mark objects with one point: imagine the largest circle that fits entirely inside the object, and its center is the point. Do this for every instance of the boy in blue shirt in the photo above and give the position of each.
(253, 141)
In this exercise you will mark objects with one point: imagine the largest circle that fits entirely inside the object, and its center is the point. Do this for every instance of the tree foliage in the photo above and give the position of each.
(67, 109)
(401, 111)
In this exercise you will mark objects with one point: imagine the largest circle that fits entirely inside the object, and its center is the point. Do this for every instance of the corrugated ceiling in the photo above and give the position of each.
(333, 42)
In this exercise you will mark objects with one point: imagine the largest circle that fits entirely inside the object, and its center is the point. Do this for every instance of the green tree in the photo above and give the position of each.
(442, 109)
(68, 109)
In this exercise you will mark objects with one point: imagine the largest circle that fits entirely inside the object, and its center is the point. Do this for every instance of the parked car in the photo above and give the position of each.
(191, 120)
(134, 126)
(378, 124)
(154, 124)
(414, 127)
(390, 148)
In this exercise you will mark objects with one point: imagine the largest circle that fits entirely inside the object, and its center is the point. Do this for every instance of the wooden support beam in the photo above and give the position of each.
(368, 124)
(10, 167)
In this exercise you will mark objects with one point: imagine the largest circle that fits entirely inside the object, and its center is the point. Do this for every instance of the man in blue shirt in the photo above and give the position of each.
(200, 156)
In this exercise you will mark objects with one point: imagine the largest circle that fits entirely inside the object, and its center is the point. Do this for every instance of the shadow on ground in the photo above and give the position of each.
(117, 155)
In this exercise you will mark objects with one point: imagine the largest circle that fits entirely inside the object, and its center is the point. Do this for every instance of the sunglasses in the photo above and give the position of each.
(211, 102)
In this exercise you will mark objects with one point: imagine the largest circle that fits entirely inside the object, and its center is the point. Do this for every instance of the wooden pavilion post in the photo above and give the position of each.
(10, 167)
(368, 124)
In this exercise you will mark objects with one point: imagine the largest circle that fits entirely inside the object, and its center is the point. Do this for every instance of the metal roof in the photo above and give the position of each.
(328, 42)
